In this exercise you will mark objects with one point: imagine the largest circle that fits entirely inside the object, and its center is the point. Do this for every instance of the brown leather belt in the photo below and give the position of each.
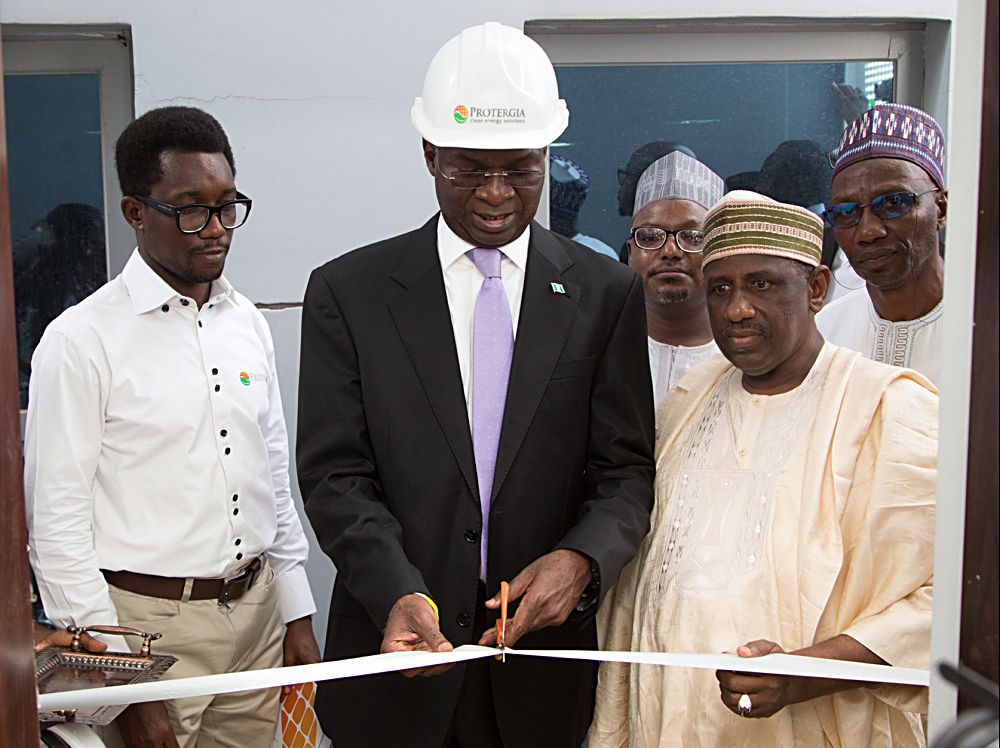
(172, 588)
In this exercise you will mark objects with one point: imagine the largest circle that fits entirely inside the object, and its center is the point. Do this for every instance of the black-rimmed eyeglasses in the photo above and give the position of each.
(517, 179)
(192, 219)
(887, 207)
(652, 238)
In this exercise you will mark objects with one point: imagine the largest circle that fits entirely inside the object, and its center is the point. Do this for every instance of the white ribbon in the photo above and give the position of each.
(205, 685)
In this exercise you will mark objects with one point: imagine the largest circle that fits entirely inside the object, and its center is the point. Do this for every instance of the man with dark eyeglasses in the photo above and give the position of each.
(156, 457)
(672, 198)
(889, 207)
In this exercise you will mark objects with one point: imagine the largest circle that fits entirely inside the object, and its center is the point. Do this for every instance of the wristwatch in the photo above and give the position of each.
(591, 593)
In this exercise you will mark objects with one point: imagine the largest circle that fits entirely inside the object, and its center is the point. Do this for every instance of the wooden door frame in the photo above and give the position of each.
(19, 716)
(979, 627)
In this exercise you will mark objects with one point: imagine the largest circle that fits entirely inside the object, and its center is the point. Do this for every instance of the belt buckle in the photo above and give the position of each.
(248, 573)
(224, 589)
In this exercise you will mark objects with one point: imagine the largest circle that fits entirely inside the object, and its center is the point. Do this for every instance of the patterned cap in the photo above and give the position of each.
(894, 131)
(568, 184)
(745, 223)
(677, 176)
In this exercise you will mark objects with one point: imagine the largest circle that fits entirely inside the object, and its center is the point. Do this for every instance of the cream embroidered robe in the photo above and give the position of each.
(793, 518)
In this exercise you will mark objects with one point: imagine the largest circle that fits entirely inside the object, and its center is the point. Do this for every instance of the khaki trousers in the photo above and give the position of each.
(208, 638)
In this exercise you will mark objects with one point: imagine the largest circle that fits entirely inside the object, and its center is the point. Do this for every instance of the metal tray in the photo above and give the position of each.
(60, 669)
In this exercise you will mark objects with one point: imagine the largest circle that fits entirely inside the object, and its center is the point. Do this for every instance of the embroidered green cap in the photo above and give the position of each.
(745, 223)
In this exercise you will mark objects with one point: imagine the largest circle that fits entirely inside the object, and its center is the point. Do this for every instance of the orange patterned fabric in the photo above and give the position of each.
(299, 726)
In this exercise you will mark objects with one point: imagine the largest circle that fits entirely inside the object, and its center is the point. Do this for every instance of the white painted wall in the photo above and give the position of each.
(316, 98)
(964, 93)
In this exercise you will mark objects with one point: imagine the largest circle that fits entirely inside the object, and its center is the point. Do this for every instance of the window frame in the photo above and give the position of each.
(585, 42)
(105, 51)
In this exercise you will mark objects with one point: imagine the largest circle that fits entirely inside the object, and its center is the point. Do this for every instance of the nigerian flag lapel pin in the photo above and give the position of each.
(557, 287)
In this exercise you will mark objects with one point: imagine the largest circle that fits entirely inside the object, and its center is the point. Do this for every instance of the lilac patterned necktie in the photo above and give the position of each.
(492, 350)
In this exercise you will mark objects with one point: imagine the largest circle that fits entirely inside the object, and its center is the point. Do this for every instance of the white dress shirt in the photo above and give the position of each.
(462, 281)
(156, 443)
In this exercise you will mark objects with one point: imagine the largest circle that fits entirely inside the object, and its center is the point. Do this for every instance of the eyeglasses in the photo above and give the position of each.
(652, 238)
(192, 219)
(887, 207)
(472, 180)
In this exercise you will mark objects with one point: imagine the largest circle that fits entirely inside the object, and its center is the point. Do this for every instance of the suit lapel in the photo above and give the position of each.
(543, 326)
(424, 324)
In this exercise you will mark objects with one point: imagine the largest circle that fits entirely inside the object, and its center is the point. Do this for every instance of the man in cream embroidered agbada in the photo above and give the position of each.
(794, 512)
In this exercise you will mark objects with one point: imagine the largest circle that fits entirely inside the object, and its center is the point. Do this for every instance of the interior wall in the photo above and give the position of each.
(316, 100)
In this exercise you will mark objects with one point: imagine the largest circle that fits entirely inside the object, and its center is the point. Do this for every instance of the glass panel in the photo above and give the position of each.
(732, 117)
(56, 199)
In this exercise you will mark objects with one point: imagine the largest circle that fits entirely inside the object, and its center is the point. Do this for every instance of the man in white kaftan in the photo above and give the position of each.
(672, 197)
(889, 206)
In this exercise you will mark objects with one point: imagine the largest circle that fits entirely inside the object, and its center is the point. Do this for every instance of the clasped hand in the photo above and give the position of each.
(768, 694)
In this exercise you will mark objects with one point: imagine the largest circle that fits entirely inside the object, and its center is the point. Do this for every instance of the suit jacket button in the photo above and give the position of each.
(464, 620)
(472, 536)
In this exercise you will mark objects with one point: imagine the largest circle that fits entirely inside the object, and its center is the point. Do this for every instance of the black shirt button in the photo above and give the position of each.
(215, 372)
(217, 388)
(223, 432)
(236, 497)
(199, 323)
(239, 556)
(184, 302)
(238, 541)
(228, 450)
(472, 536)
(236, 511)
(164, 308)
(464, 620)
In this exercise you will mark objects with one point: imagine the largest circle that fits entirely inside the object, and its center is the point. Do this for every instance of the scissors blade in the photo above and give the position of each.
(502, 622)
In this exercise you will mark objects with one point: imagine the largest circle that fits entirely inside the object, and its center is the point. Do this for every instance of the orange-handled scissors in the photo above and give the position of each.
(502, 621)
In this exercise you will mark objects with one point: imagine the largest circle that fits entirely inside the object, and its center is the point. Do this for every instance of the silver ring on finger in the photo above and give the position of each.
(744, 705)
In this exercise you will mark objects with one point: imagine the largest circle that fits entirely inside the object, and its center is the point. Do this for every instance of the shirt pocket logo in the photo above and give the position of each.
(246, 378)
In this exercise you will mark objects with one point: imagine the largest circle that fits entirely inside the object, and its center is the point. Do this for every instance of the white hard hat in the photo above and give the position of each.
(490, 87)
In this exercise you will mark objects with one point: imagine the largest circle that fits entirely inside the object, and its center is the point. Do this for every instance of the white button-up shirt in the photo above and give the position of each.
(156, 443)
(462, 281)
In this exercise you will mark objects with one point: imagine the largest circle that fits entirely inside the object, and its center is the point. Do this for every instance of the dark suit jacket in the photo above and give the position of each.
(386, 467)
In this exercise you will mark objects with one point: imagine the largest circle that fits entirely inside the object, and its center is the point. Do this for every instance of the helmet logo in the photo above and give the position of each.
(493, 115)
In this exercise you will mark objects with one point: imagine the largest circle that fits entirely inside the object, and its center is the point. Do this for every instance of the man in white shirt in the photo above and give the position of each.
(889, 206)
(156, 456)
(672, 197)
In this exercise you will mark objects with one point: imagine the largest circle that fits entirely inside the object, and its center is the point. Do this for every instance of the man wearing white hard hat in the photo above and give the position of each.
(475, 407)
